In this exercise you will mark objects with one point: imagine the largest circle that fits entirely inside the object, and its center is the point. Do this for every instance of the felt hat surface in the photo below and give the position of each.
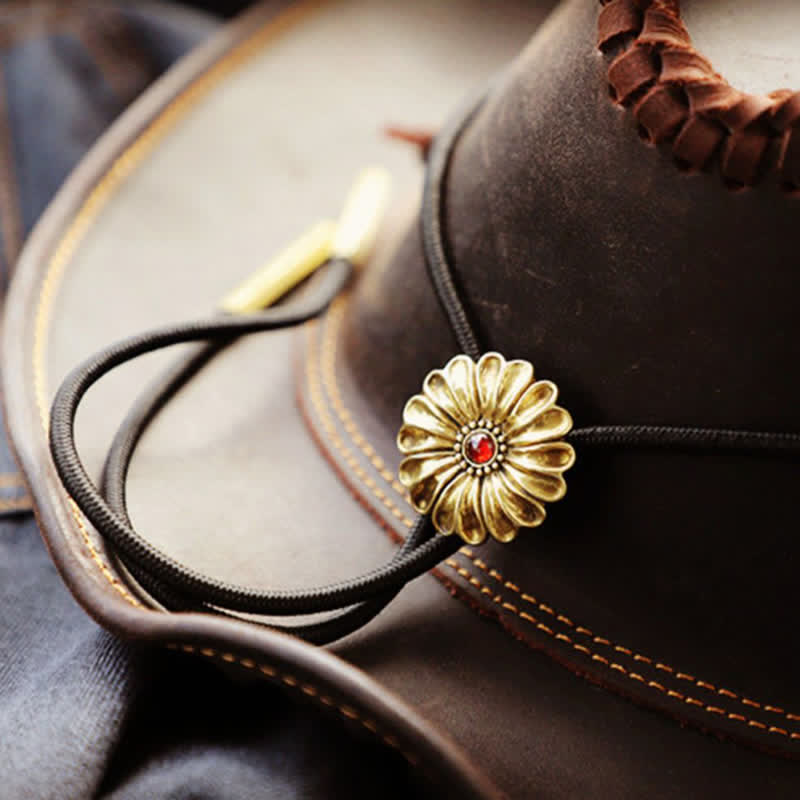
(638, 644)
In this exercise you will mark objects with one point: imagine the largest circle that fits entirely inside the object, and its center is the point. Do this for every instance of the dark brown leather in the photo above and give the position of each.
(679, 98)
(14, 497)
(649, 296)
(662, 579)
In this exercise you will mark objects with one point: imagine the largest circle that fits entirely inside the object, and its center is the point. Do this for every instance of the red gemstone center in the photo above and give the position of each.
(480, 447)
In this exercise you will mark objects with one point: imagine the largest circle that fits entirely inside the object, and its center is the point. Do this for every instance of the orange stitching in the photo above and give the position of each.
(327, 361)
(105, 569)
(306, 688)
(327, 349)
(636, 656)
(20, 504)
(540, 626)
(10, 216)
(692, 701)
(315, 391)
(12, 480)
(96, 199)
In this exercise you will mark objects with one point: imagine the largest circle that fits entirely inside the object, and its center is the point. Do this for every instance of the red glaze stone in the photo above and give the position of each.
(480, 448)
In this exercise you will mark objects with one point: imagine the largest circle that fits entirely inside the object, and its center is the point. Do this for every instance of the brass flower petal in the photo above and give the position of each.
(538, 485)
(444, 512)
(504, 525)
(437, 390)
(516, 378)
(425, 476)
(469, 518)
(421, 413)
(460, 373)
(490, 367)
(547, 457)
(551, 425)
(412, 439)
(536, 399)
(483, 448)
(523, 509)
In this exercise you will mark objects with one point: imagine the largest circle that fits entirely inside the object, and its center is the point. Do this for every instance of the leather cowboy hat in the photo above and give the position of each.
(617, 213)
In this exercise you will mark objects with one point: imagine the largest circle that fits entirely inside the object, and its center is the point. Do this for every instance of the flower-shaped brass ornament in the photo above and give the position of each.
(483, 446)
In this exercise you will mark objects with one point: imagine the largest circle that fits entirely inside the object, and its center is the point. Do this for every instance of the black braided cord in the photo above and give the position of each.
(175, 585)
(352, 603)
(442, 276)
(114, 482)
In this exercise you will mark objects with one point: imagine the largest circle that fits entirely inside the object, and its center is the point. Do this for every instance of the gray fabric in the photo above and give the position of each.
(64, 685)
(83, 714)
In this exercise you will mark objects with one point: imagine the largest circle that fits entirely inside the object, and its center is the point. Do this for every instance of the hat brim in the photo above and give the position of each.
(233, 153)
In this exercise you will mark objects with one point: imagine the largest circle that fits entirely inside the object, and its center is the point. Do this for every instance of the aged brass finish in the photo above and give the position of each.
(484, 448)
(282, 273)
(352, 238)
(357, 227)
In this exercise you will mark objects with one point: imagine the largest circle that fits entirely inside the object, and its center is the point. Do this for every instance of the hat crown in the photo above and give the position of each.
(650, 295)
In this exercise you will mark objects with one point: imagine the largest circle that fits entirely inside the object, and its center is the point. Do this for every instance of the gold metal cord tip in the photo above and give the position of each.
(360, 220)
(352, 238)
(282, 273)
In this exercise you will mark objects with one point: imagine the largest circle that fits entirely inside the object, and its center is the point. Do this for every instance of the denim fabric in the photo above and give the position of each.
(83, 714)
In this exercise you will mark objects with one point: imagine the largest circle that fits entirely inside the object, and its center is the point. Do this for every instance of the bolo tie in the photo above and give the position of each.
(485, 445)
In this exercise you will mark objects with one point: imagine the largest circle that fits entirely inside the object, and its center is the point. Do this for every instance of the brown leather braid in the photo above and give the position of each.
(681, 102)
